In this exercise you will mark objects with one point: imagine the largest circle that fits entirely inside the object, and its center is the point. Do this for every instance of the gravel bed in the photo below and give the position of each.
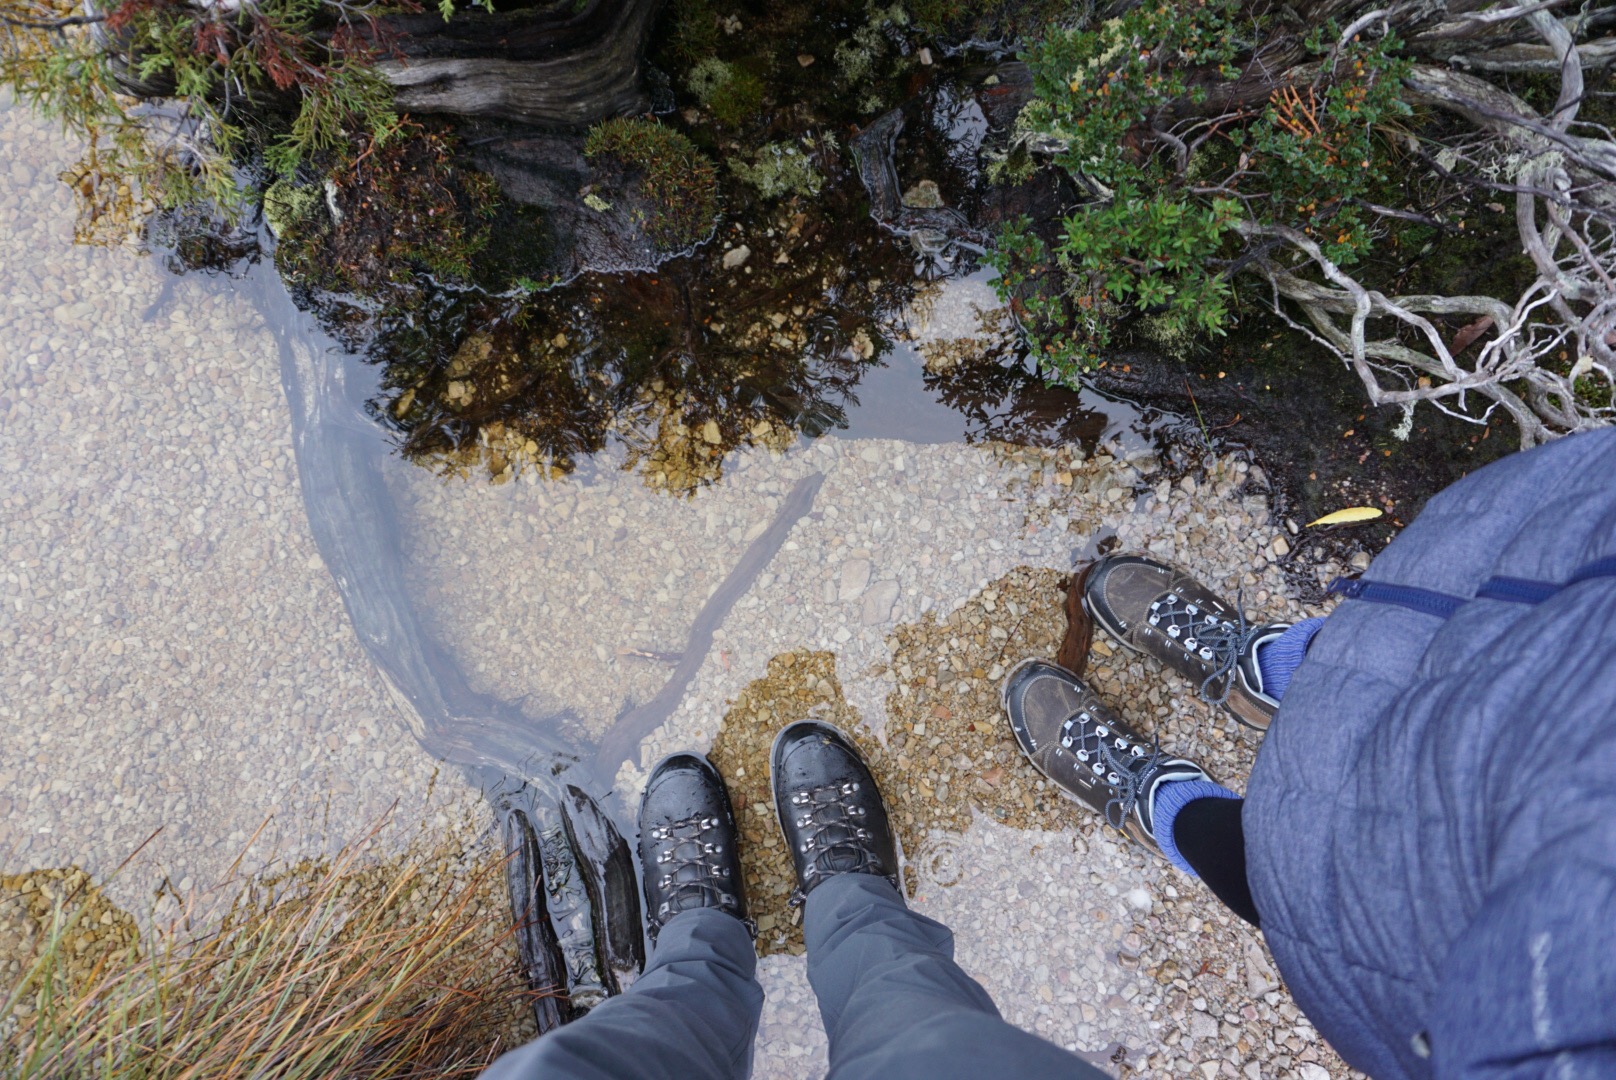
(175, 654)
(921, 575)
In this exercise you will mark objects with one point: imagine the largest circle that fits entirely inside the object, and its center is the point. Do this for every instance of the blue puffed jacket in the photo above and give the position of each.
(1431, 821)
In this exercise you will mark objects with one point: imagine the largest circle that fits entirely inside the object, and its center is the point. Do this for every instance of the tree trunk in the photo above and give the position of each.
(553, 64)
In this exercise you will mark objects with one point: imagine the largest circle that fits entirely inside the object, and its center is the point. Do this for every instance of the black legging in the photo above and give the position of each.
(1211, 839)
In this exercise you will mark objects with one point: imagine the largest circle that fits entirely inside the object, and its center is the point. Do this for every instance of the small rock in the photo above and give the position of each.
(879, 601)
(925, 57)
(1360, 561)
(1260, 978)
(805, 59)
(736, 256)
(1138, 899)
(855, 577)
(1281, 547)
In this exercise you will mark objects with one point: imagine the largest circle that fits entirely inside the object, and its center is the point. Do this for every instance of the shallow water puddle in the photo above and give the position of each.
(177, 655)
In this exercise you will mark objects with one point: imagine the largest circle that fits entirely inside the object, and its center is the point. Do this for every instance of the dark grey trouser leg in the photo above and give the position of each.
(897, 1007)
(691, 1016)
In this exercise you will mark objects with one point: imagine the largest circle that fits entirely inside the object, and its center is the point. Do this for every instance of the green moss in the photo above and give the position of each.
(407, 208)
(694, 37)
(289, 206)
(731, 93)
(739, 100)
(679, 182)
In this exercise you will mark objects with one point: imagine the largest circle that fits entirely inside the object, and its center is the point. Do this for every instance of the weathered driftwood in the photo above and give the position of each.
(606, 868)
(536, 942)
(554, 64)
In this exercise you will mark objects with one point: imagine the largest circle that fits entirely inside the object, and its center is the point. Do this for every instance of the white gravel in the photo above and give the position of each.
(173, 652)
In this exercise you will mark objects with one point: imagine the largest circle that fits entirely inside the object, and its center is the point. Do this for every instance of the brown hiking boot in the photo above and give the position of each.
(1085, 749)
(1160, 610)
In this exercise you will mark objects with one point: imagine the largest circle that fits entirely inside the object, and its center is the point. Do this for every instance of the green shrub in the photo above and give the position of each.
(1160, 236)
(293, 80)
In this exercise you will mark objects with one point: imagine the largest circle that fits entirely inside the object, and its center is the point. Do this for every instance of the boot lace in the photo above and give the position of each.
(1113, 756)
(834, 834)
(1202, 634)
(694, 879)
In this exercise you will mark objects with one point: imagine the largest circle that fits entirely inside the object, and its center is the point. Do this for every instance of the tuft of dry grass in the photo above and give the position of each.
(335, 968)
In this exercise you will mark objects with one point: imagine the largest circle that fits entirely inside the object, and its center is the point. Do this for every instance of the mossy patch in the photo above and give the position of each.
(729, 91)
(678, 180)
(407, 208)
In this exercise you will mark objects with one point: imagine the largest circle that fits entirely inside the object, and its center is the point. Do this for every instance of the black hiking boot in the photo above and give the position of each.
(829, 809)
(1080, 744)
(1162, 611)
(688, 842)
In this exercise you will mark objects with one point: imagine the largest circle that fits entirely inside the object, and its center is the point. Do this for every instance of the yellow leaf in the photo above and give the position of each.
(1350, 516)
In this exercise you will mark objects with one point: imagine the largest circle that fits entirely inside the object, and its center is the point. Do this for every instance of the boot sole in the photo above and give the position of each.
(897, 841)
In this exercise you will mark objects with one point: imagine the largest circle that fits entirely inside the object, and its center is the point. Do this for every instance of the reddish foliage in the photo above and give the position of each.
(213, 39)
(277, 53)
(352, 43)
(121, 16)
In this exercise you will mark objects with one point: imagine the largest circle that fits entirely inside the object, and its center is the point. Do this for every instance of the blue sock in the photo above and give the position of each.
(1280, 658)
(1172, 797)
